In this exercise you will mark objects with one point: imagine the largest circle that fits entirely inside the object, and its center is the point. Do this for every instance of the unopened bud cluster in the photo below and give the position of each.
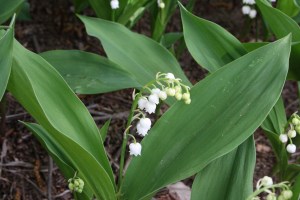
(291, 133)
(266, 185)
(164, 85)
(76, 184)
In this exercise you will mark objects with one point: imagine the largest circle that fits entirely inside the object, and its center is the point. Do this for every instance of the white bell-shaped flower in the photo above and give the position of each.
(246, 10)
(135, 149)
(153, 98)
(170, 77)
(150, 107)
(155, 91)
(283, 138)
(291, 148)
(145, 123)
(162, 95)
(142, 103)
(266, 181)
(292, 133)
(114, 4)
(252, 13)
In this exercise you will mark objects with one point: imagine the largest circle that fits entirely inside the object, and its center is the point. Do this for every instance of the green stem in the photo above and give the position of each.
(257, 192)
(125, 139)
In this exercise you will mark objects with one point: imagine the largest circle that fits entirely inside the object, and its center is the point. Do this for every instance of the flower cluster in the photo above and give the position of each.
(114, 4)
(163, 86)
(266, 185)
(76, 184)
(249, 8)
(161, 4)
(291, 132)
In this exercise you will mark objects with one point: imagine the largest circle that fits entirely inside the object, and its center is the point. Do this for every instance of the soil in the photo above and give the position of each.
(26, 170)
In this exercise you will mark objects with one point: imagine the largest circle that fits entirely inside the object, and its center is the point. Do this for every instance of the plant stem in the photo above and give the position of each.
(3, 114)
(125, 139)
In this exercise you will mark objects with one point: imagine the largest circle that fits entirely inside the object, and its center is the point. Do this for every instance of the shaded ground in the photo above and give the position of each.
(24, 164)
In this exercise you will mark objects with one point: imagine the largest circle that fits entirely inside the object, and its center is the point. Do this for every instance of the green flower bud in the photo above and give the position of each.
(71, 186)
(76, 182)
(178, 96)
(186, 96)
(280, 197)
(297, 128)
(295, 121)
(188, 101)
(271, 196)
(287, 194)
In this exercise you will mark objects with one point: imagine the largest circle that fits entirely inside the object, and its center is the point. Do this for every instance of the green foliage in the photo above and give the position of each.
(200, 126)
(8, 8)
(224, 177)
(88, 73)
(46, 96)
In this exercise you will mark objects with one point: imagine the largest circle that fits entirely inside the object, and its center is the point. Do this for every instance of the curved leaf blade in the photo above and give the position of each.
(215, 47)
(46, 96)
(135, 53)
(6, 49)
(88, 73)
(238, 91)
(221, 180)
(8, 8)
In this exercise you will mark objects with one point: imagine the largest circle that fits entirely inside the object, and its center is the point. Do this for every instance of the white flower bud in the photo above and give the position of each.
(142, 103)
(295, 121)
(292, 133)
(287, 194)
(266, 181)
(141, 130)
(252, 13)
(114, 4)
(155, 91)
(246, 10)
(170, 76)
(178, 96)
(170, 91)
(153, 98)
(150, 107)
(283, 138)
(162, 95)
(162, 5)
(186, 96)
(291, 148)
(135, 149)
(250, 2)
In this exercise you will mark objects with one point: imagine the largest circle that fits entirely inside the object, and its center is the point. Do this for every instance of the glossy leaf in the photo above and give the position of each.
(8, 8)
(281, 25)
(88, 73)
(289, 7)
(135, 53)
(233, 50)
(216, 45)
(190, 137)
(104, 130)
(221, 179)
(47, 97)
(6, 48)
(102, 8)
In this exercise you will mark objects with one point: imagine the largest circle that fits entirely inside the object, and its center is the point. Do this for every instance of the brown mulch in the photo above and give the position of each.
(24, 169)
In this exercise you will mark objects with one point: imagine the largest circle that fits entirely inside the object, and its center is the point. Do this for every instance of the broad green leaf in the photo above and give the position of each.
(80, 5)
(288, 7)
(216, 45)
(253, 45)
(102, 8)
(190, 137)
(58, 154)
(6, 49)
(221, 179)
(170, 39)
(296, 189)
(88, 73)
(47, 97)
(8, 8)
(209, 53)
(281, 25)
(135, 53)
